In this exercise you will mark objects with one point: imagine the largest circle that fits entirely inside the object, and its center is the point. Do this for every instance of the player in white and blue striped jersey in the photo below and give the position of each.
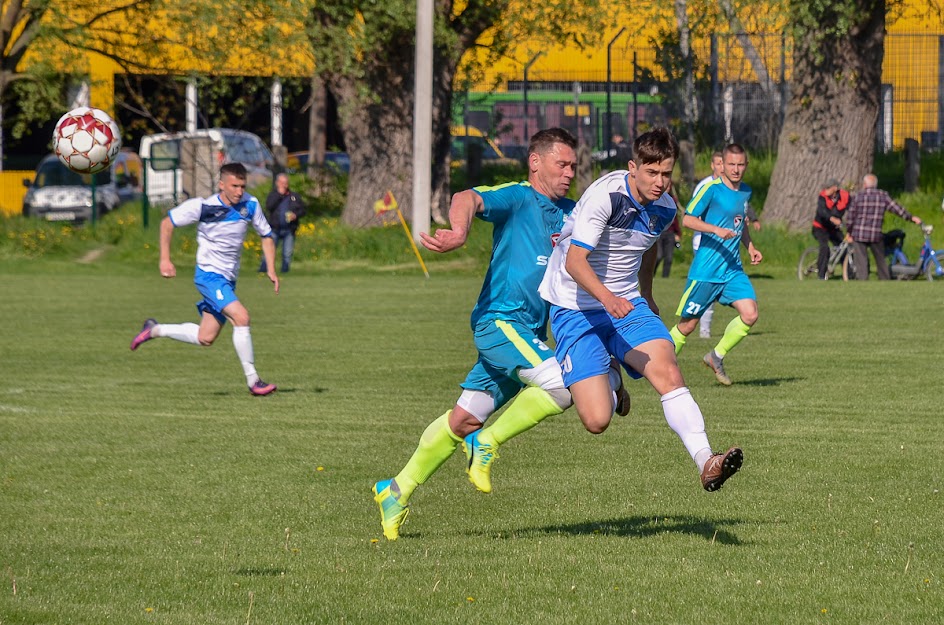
(599, 284)
(222, 223)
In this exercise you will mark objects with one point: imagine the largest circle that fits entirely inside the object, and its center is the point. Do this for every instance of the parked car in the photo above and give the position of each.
(464, 137)
(165, 176)
(59, 194)
(335, 162)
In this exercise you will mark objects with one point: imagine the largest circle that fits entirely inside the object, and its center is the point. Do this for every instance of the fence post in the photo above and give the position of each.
(912, 165)
(527, 132)
(608, 140)
(145, 202)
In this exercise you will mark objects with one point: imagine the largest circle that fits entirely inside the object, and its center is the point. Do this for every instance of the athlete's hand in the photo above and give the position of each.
(756, 256)
(726, 234)
(618, 307)
(444, 240)
(274, 278)
(167, 269)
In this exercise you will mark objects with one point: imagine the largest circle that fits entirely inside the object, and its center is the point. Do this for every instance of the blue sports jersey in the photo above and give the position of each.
(526, 226)
(715, 203)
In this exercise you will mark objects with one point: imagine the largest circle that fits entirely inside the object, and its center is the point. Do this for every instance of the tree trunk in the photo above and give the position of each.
(829, 130)
(379, 139)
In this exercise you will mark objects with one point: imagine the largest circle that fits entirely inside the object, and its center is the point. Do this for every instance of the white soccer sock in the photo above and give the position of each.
(183, 332)
(684, 417)
(242, 341)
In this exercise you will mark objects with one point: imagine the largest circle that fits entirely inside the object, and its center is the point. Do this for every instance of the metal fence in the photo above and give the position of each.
(739, 96)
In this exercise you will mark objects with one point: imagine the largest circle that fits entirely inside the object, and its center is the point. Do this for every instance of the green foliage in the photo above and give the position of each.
(150, 487)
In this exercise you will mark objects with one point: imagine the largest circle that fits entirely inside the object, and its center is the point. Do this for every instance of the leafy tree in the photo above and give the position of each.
(829, 130)
(54, 34)
(364, 53)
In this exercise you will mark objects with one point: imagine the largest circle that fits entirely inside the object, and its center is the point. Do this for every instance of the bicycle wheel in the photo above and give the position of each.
(807, 265)
(848, 267)
(932, 272)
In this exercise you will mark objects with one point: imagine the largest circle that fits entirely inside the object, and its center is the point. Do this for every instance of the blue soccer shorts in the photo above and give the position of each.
(587, 338)
(504, 347)
(217, 292)
(699, 295)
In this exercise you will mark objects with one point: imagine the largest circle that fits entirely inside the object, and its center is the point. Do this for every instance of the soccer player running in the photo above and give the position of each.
(509, 324)
(222, 222)
(718, 211)
(717, 164)
(599, 282)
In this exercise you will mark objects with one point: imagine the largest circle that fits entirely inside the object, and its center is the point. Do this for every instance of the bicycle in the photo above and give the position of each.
(929, 260)
(840, 257)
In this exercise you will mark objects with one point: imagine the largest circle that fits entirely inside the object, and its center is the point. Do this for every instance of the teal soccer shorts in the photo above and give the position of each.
(699, 295)
(504, 347)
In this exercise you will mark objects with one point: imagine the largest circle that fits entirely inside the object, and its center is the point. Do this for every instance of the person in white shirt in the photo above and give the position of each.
(222, 222)
(599, 284)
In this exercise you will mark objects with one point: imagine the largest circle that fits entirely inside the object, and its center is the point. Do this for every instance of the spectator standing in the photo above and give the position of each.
(864, 226)
(830, 207)
(284, 208)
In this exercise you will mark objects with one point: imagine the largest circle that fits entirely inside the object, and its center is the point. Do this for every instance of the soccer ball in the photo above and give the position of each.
(86, 140)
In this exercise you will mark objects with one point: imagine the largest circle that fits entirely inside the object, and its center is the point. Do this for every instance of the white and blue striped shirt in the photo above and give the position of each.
(221, 230)
(617, 230)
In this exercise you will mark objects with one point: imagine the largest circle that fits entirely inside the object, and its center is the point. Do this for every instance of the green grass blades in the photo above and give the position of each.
(150, 487)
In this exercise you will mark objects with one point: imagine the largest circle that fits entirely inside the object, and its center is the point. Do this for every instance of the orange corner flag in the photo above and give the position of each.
(387, 203)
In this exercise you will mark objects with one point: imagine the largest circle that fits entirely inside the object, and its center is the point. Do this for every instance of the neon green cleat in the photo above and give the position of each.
(480, 456)
(392, 514)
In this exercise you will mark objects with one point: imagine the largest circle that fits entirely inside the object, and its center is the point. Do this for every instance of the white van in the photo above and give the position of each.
(180, 165)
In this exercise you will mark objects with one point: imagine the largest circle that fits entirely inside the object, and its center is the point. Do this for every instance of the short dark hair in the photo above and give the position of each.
(655, 146)
(543, 140)
(234, 169)
(733, 148)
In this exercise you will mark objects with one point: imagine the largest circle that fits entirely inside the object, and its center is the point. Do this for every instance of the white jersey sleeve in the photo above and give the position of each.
(186, 213)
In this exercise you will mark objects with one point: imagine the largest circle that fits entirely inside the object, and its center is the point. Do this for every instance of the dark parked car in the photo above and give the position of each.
(59, 194)
(336, 162)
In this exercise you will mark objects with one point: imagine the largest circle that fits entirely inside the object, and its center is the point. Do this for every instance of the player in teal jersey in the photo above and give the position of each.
(718, 211)
(509, 324)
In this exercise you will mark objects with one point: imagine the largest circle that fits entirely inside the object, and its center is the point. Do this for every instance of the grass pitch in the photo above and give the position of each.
(150, 487)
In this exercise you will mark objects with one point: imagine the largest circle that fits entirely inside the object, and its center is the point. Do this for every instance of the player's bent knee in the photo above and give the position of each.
(595, 422)
(479, 404)
(547, 376)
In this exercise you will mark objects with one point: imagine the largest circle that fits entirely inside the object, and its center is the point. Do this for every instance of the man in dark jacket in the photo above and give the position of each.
(830, 207)
(284, 207)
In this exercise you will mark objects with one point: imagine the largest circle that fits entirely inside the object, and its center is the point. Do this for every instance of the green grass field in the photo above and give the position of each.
(150, 487)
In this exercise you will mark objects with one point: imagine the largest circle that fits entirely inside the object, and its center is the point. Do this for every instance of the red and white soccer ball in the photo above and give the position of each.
(86, 140)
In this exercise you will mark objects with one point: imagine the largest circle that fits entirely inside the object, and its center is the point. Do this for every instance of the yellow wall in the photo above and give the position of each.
(12, 191)
(915, 91)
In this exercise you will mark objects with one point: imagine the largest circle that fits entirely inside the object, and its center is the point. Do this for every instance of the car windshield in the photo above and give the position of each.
(53, 173)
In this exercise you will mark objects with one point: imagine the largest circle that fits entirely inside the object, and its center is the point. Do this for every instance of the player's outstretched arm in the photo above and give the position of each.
(165, 265)
(465, 205)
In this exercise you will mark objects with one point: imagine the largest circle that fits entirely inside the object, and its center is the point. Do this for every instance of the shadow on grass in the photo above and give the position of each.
(766, 381)
(642, 527)
(282, 390)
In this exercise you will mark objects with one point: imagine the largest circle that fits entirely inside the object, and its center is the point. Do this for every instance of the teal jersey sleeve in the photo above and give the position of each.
(717, 204)
(526, 225)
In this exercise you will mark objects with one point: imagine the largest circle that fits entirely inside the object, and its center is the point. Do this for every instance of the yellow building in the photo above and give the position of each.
(914, 103)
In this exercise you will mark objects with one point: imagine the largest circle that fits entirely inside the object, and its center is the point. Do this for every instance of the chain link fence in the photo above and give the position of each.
(739, 94)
